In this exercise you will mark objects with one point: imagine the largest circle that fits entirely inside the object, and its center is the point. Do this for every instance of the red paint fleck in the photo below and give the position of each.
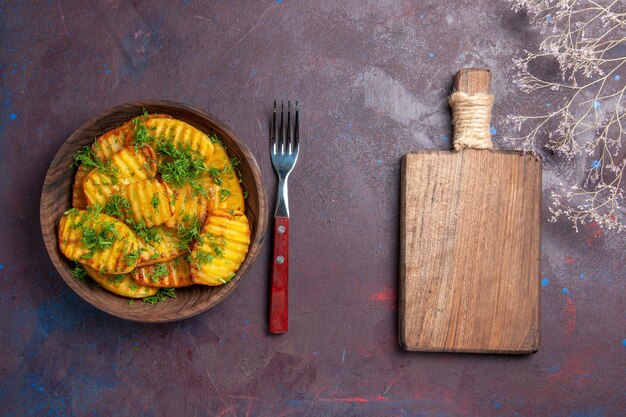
(575, 370)
(386, 295)
(569, 260)
(570, 317)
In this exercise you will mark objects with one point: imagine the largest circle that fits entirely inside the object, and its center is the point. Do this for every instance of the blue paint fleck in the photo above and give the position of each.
(596, 164)
(1, 266)
(279, 1)
(13, 116)
(379, 161)
(492, 130)
(617, 78)
(445, 138)
(542, 246)
(565, 291)
(254, 72)
(496, 404)
(421, 17)
(549, 18)
(623, 342)
(545, 282)
(247, 322)
(107, 71)
(343, 356)
(581, 276)
(596, 104)
(431, 56)
(548, 104)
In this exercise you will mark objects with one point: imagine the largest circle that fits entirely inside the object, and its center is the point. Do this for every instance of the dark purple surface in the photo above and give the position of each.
(372, 78)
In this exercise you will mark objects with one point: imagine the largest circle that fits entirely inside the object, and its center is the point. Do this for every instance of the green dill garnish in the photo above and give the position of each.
(160, 270)
(245, 194)
(79, 272)
(117, 280)
(224, 194)
(133, 287)
(162, 295)
(133, 256)
(216, 175)
(188, 231)
(181, 165)
(155, 201)
(141, 134)
(131, 302)
(232, 164)
(215, 139)
(98, 240)
(148, 234)
(72, 211)
(116, 205)
(202, 257)
(86, 157)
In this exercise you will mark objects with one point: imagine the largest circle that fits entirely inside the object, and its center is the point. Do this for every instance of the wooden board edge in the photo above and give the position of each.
(402, 255)
(520, 352)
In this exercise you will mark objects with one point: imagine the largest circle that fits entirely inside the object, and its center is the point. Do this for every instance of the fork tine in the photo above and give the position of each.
(281, 131)
(296, 133)
(273, 132)
(288, 144)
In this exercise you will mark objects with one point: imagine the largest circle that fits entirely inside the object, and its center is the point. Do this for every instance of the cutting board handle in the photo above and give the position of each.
(471, 104)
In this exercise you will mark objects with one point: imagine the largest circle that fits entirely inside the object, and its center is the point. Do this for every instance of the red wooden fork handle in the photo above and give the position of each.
(279, 316)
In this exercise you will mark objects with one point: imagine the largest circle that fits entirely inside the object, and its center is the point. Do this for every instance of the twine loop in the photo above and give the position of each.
(471, 116)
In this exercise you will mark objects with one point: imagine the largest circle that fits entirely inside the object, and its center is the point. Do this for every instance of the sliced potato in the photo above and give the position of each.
(171, 274)
(179, 134)
(127, 166)
(79, 200)
(186, 204)
(158, 244)
(99, 241)
(123, 285)
(106, 145)
(219, 157)
(149, 202)
(221, 248)
(226, 196)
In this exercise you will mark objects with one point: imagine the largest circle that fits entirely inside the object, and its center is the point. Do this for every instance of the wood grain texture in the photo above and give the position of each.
(470, 252)
(57, 193)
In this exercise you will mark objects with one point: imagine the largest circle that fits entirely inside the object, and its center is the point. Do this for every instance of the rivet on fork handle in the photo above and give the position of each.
(284, 147)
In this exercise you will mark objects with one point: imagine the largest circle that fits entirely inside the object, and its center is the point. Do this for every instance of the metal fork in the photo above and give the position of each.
(284, 146)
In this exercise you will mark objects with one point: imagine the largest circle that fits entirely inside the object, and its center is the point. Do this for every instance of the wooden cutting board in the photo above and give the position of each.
(470, 247)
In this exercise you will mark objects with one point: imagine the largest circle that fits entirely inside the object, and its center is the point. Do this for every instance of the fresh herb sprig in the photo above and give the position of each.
(116, 206)
(162, 295)
(79, 272)
(160, 270)
(148, 234)
(96, 240)
(188, 231)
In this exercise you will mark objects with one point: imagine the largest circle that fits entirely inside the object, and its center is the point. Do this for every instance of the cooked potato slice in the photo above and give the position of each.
(127, 166)
(99, 241)
(170, 274)
(149, 202)
(221, 248)
(179, 133)
(157, 244)
(106, 145)
(219, 157)
(228, 195)
(123, 285)
(79, 200)
(186, 204)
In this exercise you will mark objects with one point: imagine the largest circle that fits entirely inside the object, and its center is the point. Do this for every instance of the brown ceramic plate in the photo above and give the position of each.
(56, 199)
